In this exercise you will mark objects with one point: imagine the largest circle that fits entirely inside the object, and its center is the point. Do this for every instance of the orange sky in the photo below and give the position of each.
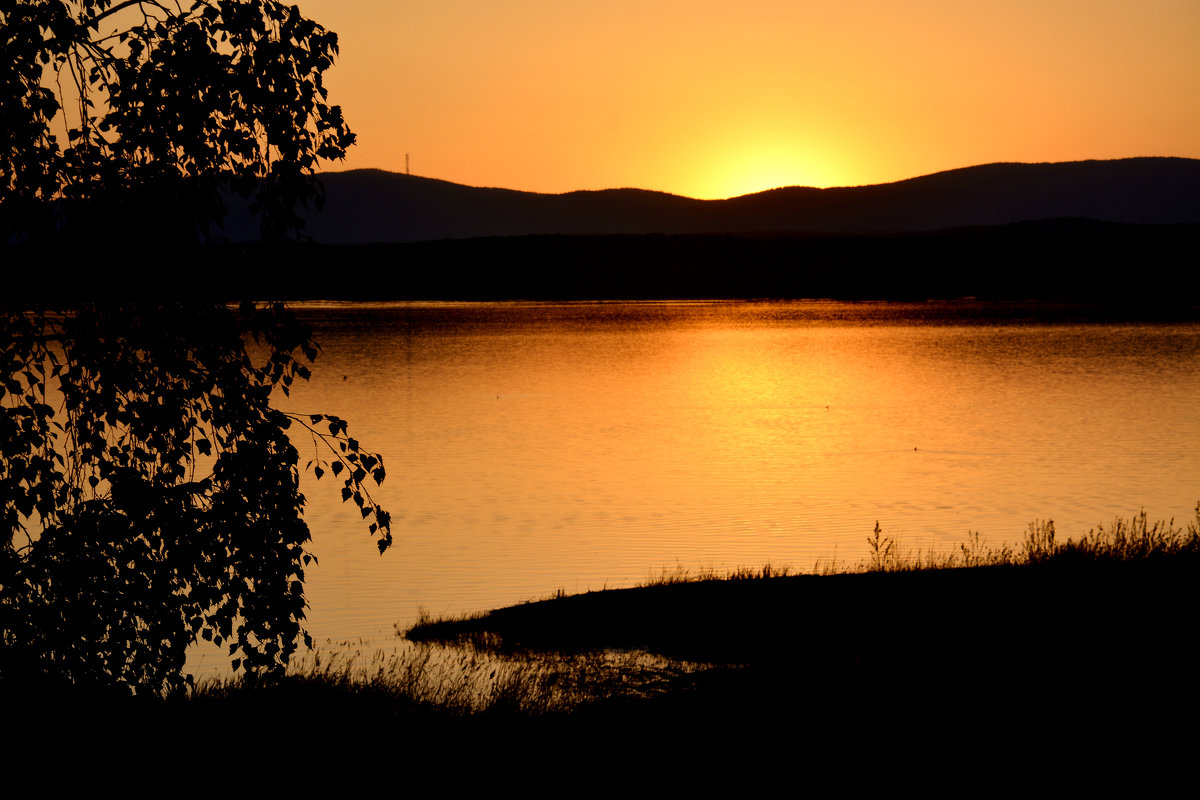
(714, 98)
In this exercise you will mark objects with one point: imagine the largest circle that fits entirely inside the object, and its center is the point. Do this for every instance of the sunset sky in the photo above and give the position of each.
(715, 98)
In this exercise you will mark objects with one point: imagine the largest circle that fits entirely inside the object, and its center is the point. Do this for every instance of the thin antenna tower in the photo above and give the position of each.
(407, 171)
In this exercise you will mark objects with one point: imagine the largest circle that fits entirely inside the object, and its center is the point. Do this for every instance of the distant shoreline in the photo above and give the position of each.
(1138, 268)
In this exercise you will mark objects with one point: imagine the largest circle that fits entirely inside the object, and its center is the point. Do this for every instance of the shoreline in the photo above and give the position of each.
(1064, 260)
(1059, 654)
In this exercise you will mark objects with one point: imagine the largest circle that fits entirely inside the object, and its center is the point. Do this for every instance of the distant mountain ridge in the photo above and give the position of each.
(373, 206)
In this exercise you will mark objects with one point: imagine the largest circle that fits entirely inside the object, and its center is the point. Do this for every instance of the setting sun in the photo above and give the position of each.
(704, 100)
(758, 166)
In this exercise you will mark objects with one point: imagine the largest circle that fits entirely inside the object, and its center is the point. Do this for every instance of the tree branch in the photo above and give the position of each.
(124, 5)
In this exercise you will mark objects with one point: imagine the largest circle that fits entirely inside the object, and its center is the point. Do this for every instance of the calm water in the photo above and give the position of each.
(532, 447)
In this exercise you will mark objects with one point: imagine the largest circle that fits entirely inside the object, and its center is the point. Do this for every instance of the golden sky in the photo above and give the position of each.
(715, 98)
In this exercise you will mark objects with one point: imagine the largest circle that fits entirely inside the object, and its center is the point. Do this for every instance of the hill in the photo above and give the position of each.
(372, 206)
(1111, 232)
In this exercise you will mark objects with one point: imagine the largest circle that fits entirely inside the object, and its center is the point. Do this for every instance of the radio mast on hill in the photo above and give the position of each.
(406, 169)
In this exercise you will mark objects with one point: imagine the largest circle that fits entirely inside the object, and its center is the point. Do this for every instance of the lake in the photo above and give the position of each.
(532, 447)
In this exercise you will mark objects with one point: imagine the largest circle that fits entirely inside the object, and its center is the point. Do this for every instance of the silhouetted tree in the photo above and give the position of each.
(149, 493)
(134, 117)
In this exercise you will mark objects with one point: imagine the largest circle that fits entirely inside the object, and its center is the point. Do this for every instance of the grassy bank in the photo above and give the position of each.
(1053, 595)
(1039, 650)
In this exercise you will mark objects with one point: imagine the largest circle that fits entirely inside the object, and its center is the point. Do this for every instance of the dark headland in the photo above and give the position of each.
(1058, 652)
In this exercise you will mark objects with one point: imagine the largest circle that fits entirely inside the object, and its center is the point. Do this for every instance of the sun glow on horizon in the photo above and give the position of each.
(759, 167)
(708, 100)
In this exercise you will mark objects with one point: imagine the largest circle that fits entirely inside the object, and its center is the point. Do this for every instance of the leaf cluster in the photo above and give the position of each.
(137, 117)
(341, 454)
(149, 491)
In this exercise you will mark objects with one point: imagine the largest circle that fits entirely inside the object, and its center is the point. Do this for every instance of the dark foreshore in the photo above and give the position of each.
(968, 670)
(1004, 668)
(1045, 657)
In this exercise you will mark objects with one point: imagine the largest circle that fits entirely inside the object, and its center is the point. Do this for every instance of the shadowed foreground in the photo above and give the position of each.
(1036, 659)
(1072, 656)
